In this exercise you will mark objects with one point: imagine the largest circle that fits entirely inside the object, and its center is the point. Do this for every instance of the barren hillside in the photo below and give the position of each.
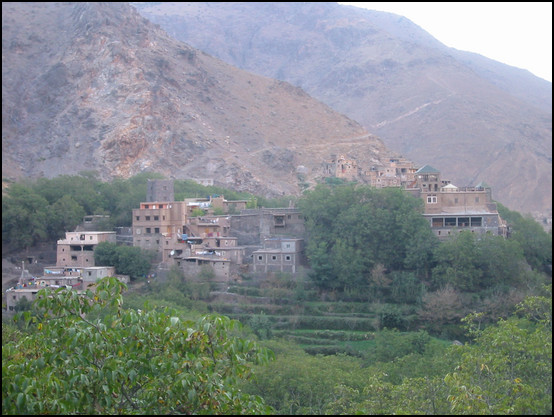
(96, 87)
(471, 117)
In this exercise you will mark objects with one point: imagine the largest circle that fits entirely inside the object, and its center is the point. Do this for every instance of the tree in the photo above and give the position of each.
(132, 261)
(508, 370)
(441, 308)
(127, 260)
(535, 242)
(24, 217)
(352, 228)
(458, 263)
(127, 362)
(64, 215)
(105, 254)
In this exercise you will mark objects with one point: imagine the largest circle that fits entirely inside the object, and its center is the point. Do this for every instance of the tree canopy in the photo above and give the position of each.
(354, 228)
(85, 354)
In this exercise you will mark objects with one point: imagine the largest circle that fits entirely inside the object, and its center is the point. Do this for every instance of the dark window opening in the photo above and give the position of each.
(450, 222)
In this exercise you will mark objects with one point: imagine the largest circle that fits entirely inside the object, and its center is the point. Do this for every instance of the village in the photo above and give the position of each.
(229, 239)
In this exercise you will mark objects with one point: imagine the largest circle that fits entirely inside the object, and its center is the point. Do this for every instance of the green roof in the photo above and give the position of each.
(427, 169)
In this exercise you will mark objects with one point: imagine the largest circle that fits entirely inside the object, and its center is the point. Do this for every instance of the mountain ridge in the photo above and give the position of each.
(471, 117)
(121, 97)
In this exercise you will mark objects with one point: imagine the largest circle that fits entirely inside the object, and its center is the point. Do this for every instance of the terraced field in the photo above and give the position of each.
(287, 309)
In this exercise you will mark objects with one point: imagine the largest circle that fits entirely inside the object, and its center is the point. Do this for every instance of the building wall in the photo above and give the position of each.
(252, 226)
(194, 266)
(154, 221)
(77, 249)
(279, 255)
(274, 261)
(96, 273)
(160, 190)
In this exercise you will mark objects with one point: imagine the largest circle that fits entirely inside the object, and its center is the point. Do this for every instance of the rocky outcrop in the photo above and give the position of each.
(96, 87)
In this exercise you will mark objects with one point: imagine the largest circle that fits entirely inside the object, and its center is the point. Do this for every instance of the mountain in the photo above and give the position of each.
(97, 87)
(472, 118)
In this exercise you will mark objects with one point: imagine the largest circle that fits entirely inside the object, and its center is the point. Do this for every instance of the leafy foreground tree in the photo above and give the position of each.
(506, 370)
(127, 361)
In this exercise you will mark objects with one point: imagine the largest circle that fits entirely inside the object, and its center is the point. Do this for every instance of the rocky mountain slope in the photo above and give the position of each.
(96, 87)
(471, 117)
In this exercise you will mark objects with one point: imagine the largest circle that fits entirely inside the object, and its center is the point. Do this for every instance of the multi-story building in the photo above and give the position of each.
(342, 167)
(153, 222)
(160, 190)
(450, 209)
(279, 254)
(77, 249)
(396, 173)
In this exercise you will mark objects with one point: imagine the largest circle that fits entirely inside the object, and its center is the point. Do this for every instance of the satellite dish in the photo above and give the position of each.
(172, 253)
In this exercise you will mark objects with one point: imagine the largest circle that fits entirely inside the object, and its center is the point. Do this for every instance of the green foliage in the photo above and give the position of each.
(353, 228)
(535, 242)
(473, 263)
(35, 211)
(24, 217)
(128, 260)
(508, 370)
(392, 344)
(129, 362)
(261, 325)
(197, 212)
(297, 383)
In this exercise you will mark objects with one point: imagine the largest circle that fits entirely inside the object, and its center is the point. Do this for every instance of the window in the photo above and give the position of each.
(287, 258)
(260, 258)
(432, 199)
(476, 221)
(450, 222)
(456, 200)
(137, 218)
(273, 257)
(147, 217)
(148, 230)
(156, 217)
(476, 199)
(137, 230)
(146, 206)
(156, 230)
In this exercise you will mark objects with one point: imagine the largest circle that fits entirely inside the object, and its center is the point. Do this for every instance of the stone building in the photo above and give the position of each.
(450, 209)
(160, 190)
(77, 249)
(279, 254)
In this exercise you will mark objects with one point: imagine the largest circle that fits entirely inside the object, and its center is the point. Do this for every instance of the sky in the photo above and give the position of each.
(514, 33)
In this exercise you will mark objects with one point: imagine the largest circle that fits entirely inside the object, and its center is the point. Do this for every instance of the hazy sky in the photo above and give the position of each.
(517, 34)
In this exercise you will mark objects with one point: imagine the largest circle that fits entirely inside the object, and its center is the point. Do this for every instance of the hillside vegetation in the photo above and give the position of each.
(368, 328)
